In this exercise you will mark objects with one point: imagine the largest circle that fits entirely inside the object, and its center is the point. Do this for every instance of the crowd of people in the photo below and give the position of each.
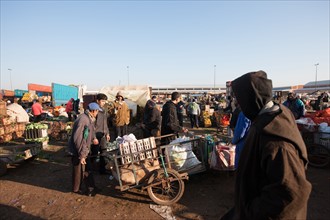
(271, 156)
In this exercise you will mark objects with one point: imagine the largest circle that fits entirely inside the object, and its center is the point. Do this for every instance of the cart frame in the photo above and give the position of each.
(161, 178)
(318, 147)
(14, 154)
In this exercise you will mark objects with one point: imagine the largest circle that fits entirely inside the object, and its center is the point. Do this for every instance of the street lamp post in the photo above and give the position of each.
(128, 75)
(214, 79)
(316, 75)
(11, 84)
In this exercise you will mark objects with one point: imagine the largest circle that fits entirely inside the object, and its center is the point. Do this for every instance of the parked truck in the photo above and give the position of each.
(61, 94)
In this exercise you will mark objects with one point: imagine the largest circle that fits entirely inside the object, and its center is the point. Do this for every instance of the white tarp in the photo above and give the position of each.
(138, 94)
(16, 111)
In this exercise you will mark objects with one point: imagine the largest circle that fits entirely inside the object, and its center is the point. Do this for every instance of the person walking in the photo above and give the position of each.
(101, 133)
(271, 178)
(194, 112)
(83, 133)
(122, 115)
(180, 110)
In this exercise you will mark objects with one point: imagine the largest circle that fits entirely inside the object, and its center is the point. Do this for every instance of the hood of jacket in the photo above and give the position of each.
(253, 91)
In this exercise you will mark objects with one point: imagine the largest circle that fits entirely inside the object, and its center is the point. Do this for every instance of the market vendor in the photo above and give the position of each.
(36, 111)
(296, 106)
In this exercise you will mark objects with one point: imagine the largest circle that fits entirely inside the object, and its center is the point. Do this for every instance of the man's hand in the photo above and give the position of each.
(185, 130)
(108, 137)
(83, 161)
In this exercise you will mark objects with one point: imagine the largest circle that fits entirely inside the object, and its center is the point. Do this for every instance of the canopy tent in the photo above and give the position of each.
(138, 94)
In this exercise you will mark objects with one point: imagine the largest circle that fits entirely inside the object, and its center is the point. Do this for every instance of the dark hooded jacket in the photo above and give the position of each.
(271, 181)
(151, 116)
(170, 122)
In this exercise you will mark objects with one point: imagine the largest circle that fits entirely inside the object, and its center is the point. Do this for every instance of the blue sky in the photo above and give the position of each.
(159, 43)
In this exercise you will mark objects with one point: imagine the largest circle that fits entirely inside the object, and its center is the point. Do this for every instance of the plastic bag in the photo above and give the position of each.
(222, 158)
(181, 156)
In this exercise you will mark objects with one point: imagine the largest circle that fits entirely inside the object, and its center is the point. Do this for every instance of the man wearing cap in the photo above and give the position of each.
(271, 178)
(83, 133)
(122, 115)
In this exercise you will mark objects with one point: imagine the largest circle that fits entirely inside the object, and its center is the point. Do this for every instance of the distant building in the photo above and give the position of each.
(311, 87)
(189, 89)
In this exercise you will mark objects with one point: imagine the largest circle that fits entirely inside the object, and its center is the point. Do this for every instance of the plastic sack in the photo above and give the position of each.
(181, 156)
(222, 158)
(129, 138)
(306, 124)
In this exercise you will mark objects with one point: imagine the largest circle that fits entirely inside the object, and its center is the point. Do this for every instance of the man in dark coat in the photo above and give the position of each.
(271, 181)
(79, 146)
(170, 121)
(151, 119)
(102, 134)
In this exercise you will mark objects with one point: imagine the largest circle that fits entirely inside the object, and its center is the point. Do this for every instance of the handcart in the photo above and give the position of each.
(14, 154)
(318, 146)
(142, 164)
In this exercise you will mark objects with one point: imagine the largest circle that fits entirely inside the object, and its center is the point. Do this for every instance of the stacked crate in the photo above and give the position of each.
(59, 130)
(6, 129)
(36, 133)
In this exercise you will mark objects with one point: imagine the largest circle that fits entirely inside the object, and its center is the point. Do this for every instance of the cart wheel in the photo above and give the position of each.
(318, 155)
(3, 168)
(165, 190)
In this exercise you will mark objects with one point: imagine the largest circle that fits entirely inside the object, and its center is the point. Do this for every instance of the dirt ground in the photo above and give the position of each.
(40, 189)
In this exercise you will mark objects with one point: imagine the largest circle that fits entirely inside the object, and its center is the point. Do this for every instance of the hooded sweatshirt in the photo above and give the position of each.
(271, 181)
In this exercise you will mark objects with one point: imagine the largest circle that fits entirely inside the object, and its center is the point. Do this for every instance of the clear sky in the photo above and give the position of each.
(160, 43)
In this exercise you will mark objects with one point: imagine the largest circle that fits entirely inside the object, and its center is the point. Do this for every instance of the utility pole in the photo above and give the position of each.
(128, 75)
(214, 79)
(11, 84)
(316, 75)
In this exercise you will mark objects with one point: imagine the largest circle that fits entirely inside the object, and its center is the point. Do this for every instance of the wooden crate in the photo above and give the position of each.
(10, 128)
(2, 130)
(3, 108)
(5, 120)
(35, 133)
(18, 134)
(6, 138)
(20, 127)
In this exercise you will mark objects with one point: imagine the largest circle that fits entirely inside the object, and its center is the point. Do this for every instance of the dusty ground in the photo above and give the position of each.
(40, 189)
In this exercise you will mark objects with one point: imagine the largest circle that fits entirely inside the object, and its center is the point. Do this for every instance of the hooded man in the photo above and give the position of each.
(271, 181)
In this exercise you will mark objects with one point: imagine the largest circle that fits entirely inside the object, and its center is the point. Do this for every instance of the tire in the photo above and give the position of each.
(3, 168)
(167, 190)
(318, 155)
